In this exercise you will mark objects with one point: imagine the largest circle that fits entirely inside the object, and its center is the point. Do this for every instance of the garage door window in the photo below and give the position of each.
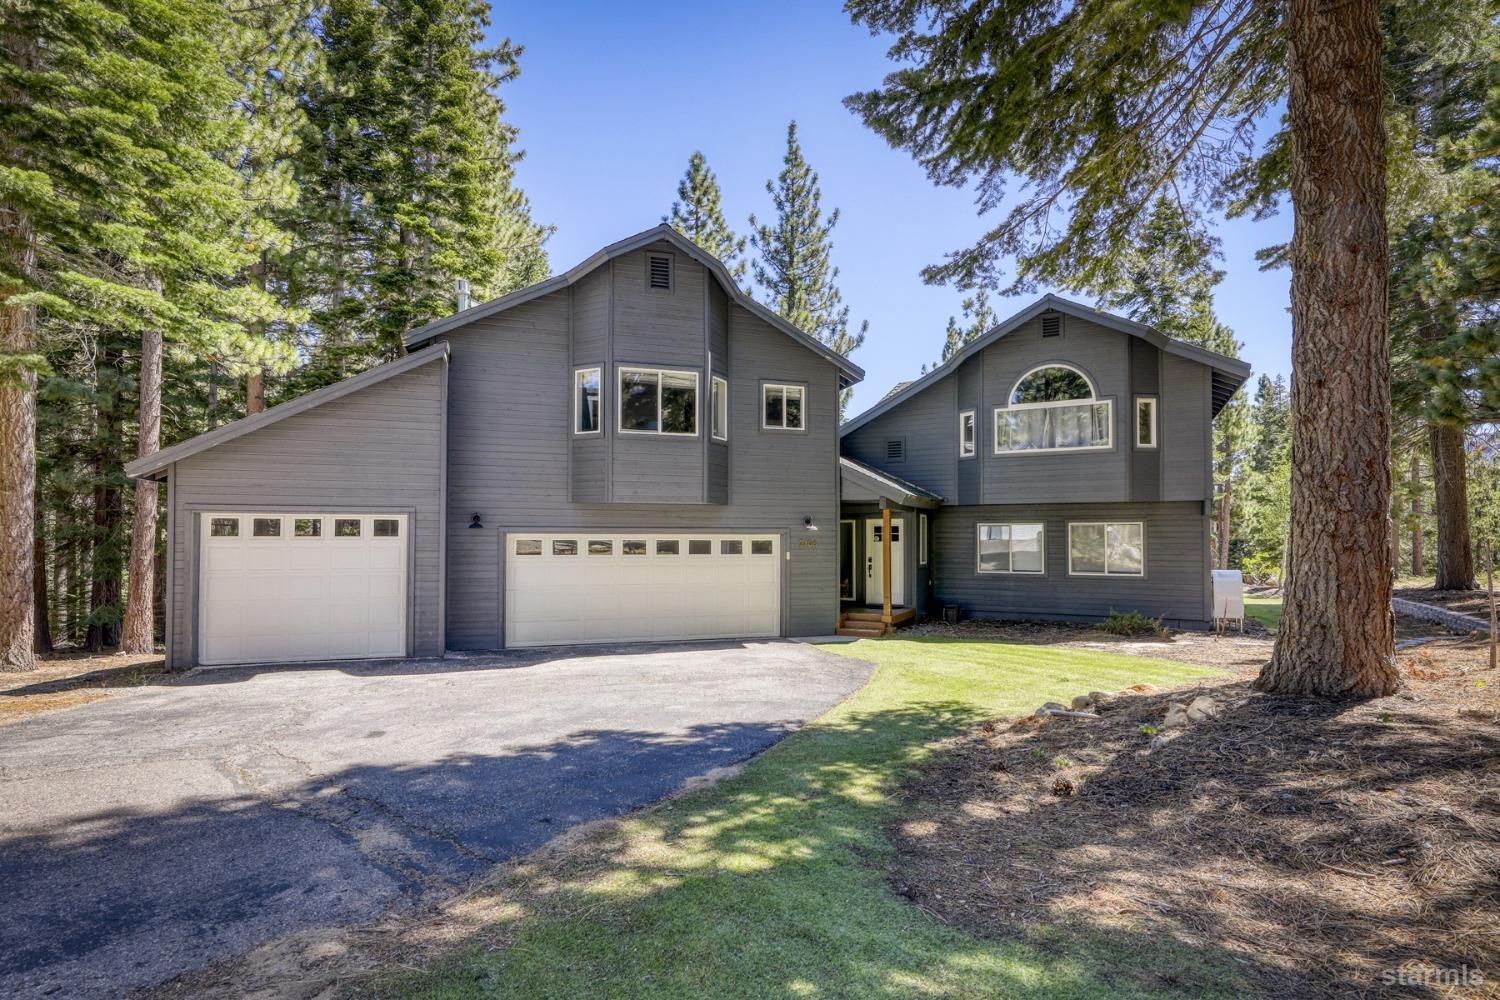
(760, 547)
(700, 547)
(635, 547)
(601, 547)
(731, 547)
(564, 547)
(387, 527)
(224, 527)
(346, 527)
(667, 547)
(528, 546)
(308, 527)
(266, 527)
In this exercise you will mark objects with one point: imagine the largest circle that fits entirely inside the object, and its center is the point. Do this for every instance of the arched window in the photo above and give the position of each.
(1054, 408)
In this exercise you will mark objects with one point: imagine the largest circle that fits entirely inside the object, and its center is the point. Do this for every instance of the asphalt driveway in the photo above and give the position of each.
(176, 825)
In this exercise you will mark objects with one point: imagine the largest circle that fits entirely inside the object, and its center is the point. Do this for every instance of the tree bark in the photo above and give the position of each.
(42, 627)
(1416, 514)
(107, 553)
(1226, 497)
(255, 393)
(1450, 480)
(139, 632)
(1337, 634)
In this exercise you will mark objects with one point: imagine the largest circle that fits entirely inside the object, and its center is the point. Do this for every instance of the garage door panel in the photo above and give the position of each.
(667, 593)
(296, 597)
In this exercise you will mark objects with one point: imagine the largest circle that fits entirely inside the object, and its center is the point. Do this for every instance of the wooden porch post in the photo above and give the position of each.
(885, 560)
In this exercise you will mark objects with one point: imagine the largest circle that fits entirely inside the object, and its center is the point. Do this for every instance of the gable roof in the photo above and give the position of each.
(883, 484)
(849, 372)
(1228, 373)
(154, 466)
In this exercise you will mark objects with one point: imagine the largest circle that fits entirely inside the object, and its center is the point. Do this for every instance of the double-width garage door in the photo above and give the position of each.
(581, 587)
(289, 587)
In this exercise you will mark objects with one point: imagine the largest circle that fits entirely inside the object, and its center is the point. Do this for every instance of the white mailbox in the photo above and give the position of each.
(1229, 596)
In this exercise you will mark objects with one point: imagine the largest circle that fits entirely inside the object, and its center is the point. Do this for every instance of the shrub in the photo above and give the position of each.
(1133, 623)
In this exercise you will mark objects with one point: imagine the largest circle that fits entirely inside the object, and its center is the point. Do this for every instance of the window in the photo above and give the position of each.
(700, 547)
(266, 527)
(719, 404)
(731, 547)
(782, 407)
(760, 547)
(601, 547)
(528, 546)
(1011, 548)
(659, 272)
(658, 402)
(1053, 408)
(1145, 421)
(224, 527)
(966, 434)
(586, 401)
(346, 527)
(387, 527)
(1107, 549)
(635, 547)
(667, 547)
(307, 527)
(564, 547)
(921, 539)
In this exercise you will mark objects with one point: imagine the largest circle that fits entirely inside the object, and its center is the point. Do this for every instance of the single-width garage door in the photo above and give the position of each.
(606, 586)
(290, 587)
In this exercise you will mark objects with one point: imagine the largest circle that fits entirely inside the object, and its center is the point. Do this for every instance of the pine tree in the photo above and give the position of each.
(696, 214)
(1271, 418)
(794, 257)
(978, 319)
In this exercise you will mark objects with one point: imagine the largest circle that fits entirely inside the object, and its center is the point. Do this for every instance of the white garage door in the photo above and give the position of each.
(289, 587)
(608, 586)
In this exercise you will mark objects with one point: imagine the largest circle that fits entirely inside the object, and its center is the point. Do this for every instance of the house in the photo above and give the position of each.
(636, 450)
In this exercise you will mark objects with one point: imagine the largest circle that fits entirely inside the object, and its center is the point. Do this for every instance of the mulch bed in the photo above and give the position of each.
(1319, 849)
(1465, 602)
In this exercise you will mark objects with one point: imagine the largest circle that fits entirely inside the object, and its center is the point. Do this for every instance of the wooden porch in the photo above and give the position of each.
(870, 623)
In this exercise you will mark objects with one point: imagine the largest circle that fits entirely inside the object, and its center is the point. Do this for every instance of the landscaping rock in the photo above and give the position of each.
(1202, 707)
(1177, 716)
(1099, 697)
(1082, 702)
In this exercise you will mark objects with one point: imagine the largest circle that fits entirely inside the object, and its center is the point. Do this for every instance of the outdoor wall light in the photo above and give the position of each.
(807, 524)
(475, 522)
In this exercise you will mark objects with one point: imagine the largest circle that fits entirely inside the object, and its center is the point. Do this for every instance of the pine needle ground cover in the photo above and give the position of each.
(776, 881)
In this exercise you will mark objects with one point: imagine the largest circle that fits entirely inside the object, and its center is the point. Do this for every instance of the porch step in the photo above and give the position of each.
(864, 616)
(872, 632)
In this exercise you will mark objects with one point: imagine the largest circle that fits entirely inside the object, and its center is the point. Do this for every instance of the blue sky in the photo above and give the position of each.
(613, 98)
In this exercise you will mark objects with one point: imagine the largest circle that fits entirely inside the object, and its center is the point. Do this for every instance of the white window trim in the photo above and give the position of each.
(973, 446)
(578, 402)
(1105, 525)
(1042, 535)
(658, 372)
(722, 385)
(782, 426)
(921, 539)
(1109, 424)
(1150, 401)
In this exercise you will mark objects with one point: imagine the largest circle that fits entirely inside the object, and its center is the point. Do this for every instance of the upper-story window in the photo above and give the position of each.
(653, 401)
(719, 408)
(1054, 408)
(1145, 421)
(966, 434)
(782, 407)
(586, 401)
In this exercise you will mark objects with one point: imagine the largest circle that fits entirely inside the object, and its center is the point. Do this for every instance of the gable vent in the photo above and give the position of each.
(659, 273)
(1052, 325)
(895, 450)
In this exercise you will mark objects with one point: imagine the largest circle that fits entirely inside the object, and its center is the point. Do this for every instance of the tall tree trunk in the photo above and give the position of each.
(43, 626)
(1416, 514)
(107, 563)
(139, 633)
(17, 434)
(1450, 480)
(1226, 497)
(1337, 634)
(255, 393)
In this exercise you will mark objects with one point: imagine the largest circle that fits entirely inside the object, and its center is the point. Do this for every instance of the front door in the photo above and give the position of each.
(874, 564)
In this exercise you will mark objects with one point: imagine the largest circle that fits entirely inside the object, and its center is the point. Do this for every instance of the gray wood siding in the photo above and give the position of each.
(1145, 380)
(1175, 586)
(1186, 430)
(929, 424)
(659, 327)
(378, 450)
(967, 377)
(506, 460)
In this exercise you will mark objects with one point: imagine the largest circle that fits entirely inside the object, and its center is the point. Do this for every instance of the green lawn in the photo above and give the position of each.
(1266, 610)
(769, 883)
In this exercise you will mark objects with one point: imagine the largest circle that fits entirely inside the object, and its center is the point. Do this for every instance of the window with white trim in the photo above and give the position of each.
(966, 434)
(1011, 548)
(921, 539)
(586, 401)
(1106, 548)
(719, 407)
(1145, 421)
(782, 407)
(658, 401)
(1054, 408)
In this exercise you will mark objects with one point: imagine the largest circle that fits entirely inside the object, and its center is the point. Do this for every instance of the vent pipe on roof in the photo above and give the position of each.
(463, 293)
